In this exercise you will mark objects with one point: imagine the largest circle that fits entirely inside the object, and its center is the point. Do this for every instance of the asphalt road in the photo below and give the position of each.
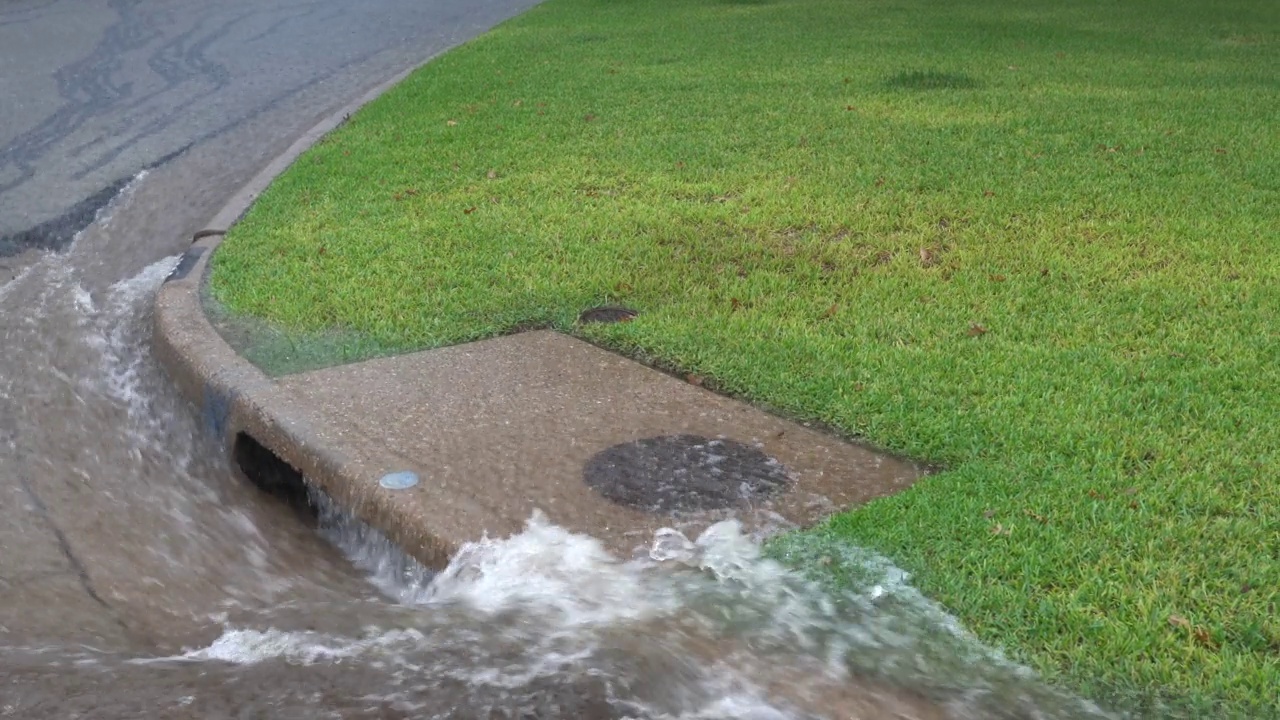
(93, 91)
(120, 523)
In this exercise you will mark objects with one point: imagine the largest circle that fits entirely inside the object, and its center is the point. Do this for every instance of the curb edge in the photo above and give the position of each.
(232, 396)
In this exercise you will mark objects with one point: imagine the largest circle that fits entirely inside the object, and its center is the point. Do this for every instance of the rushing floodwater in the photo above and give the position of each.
(141, 578)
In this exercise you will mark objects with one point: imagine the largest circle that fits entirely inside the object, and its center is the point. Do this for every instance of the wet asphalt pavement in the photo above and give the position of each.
(93, 91)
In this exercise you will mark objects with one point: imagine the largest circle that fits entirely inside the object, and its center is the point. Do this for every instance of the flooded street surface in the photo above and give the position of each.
(141, 576)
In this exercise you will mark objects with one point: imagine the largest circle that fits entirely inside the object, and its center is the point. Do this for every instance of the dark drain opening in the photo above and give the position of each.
(271, 474)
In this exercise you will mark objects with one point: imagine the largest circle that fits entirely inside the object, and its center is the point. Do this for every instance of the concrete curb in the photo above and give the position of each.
(561, 402)
(233, 396)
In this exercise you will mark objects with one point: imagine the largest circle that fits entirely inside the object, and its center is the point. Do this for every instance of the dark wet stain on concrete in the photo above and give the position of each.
(216, 410)
(682, 473)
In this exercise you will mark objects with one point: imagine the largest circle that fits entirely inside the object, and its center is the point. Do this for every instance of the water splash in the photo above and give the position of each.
(699, 628)
(393, 572)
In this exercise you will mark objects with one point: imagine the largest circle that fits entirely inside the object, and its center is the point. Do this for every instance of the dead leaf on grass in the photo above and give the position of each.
(996, 278)
(1203, 637)
(988, 193)
(1035, 516)
(735, 303)
(450, 123)
(1199, 633)
(469, 210)
(999, 529)
(976, 330)
(492, 174)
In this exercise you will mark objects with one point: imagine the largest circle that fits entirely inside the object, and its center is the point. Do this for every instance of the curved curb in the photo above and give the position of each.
(311, 422)
(233, 396)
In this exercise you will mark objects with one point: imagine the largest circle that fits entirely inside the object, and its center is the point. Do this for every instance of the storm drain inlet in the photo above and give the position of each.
(273, 475)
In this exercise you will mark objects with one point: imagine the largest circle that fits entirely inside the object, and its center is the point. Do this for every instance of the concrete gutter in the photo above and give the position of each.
(501, 428)
(233, 396)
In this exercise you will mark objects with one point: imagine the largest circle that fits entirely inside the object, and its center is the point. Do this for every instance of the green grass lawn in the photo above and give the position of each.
(1037, 242)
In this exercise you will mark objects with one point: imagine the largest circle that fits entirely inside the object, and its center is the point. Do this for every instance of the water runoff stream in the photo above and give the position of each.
(141, 576)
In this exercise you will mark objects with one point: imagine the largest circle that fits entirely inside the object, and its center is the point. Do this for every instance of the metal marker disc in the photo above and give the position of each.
(399, 480)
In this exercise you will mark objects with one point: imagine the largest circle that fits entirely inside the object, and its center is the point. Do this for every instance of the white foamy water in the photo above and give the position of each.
(15, 281)
(705, 627)
(122, 366)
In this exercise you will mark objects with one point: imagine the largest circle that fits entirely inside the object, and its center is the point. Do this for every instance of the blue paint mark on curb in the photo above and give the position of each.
(399, 480)
(216, 409)
(185, 265)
